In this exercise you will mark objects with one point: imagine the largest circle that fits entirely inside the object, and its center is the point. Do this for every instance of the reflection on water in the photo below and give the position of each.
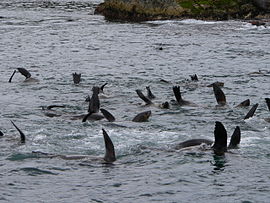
(219, 162)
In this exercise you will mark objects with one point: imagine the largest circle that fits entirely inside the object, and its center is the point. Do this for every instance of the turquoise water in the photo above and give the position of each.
(53, 39)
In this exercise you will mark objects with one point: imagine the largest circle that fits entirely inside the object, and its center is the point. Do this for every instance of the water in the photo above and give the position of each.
(53, 39)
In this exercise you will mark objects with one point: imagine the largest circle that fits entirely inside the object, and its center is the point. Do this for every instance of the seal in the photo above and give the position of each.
(50, 112)
(179, 99)
(76, 78)
(164, 105)
(194, 77)
(1, 134)
(94, 107)
(251, 111)
(26, 74)
(220, 144)
(94, 103)
(109, 156)
(142, 117)
(193, 142)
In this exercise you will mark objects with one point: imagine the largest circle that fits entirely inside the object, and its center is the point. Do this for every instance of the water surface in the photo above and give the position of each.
(53, 39)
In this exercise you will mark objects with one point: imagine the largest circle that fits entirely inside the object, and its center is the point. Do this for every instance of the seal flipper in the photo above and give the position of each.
(268, 103)
(110, 153)
(12, 76)
(220, 144)
(244, 103)
(24, 72)
(177, 93)
(219, 94)
(149, 93)
(251, 111)
(86, 117)
(144, 98)
(235, 138)
(102, 88)
(107, 115)
(1, 134)
(21, 133)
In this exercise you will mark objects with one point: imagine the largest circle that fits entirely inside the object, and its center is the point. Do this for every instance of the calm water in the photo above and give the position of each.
(53, 39)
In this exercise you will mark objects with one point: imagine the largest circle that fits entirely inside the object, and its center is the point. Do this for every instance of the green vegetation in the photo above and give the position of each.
(218, 9)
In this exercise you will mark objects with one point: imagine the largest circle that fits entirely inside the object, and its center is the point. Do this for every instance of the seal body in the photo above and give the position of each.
(109, 156)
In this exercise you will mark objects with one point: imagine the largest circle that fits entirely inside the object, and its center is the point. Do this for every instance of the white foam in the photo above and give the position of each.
(194, 21)
(186, 21)
(249, 26)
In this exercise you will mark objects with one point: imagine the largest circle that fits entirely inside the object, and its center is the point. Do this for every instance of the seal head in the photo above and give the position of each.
(142, 117)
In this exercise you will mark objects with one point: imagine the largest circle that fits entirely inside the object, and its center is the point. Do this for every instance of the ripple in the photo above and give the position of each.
(35, 171)
(53, 39)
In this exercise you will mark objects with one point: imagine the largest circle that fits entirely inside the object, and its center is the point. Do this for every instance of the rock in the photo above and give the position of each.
(142, 10)
(264, 4)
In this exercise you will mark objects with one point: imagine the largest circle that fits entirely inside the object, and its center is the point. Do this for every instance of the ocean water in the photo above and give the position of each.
(53, 39)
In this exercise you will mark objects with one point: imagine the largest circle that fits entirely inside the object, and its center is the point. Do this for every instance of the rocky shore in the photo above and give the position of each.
(142, 10)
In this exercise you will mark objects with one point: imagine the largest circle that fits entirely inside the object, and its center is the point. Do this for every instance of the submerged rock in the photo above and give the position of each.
(141, 10)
